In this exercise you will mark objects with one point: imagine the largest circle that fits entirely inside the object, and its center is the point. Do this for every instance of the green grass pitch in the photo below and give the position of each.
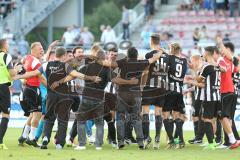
(190, 152)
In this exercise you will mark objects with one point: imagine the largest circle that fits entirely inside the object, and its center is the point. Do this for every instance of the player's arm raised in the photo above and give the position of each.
(223, 49)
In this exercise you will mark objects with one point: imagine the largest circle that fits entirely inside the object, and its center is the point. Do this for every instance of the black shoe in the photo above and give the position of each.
(44, 145)
(171, 145)
(195, 141)
(21, 141)
(28, 142)
(147, 142)
(127, 141)
(34, 144)
(133, 140)
(120, 145)
(141, 147)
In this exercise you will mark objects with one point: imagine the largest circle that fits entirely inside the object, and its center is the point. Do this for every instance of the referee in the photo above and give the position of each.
(6, 72)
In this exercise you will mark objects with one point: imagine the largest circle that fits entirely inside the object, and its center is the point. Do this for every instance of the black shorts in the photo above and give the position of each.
(153, 96)
(5, 99)
(197, 105)
(32, 100)
(210, 109)
(227, 105)
(110, 102)
(174, 102)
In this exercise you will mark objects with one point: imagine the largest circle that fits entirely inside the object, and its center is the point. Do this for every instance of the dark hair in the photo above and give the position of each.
(155, 39)
(113, 49)
(2, 42)
(230, 45)
(132, 53)
(210, 50)
(75, 49)
(60, 51)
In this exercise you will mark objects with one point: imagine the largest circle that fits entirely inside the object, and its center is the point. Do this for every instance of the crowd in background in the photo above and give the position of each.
(6, 7)
(219, 6)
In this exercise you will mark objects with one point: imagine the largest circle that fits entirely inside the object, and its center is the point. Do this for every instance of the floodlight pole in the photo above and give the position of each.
(81, 13)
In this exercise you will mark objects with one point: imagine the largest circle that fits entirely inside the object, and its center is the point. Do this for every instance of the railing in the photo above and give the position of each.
(28, 15)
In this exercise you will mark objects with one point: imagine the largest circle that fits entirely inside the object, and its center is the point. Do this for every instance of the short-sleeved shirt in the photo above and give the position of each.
(211, 75)
(7, 58)
(31, 63)
(226, 77)
(96, 90)
(131, 69)
(55, 71)
(158, 70)
(176, 72)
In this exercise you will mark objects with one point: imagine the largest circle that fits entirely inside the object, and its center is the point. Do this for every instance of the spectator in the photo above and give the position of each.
(196, 36)
(196, 5)
(185, 5)
(102, 28)
(164, 42)
(238, 7)
(146, 5)
(145, 36)
(208, 4)
(220, 7)
(232, 7)
(7, 35)
(203, 34)
(69, 37)
(23, 46)
(125, 22)
(151, 7)
(108, 35)
(226, 38)
(218, 34)
(87, 37)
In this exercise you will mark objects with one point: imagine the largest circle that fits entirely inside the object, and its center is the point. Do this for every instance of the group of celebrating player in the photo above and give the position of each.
(100, 87)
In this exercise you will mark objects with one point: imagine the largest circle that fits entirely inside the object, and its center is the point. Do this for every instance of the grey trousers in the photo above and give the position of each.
(129, 109)
(90, 109)
(81, 129)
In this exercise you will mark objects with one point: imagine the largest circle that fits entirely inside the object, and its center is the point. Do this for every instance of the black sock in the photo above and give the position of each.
(209, 131)
(218, 133)
(179, 129)
(111, 131)
(195, 124)
(234, 129)
(168, 124)
(3, 128)
(145, 126)
(158, 127)
(201, 130)
(226, 139)
(73, 132)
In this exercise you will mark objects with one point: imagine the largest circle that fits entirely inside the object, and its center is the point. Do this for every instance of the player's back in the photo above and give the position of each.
(177, 68)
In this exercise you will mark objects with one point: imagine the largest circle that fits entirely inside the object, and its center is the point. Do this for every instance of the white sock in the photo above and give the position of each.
(26, 131)
(231, 137)
(32, 133)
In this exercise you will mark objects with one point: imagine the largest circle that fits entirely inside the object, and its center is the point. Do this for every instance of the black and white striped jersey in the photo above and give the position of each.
(236, 82)
(112, 87)
(199, 91)
(157, 76)
(211, 75)
(177, 68)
